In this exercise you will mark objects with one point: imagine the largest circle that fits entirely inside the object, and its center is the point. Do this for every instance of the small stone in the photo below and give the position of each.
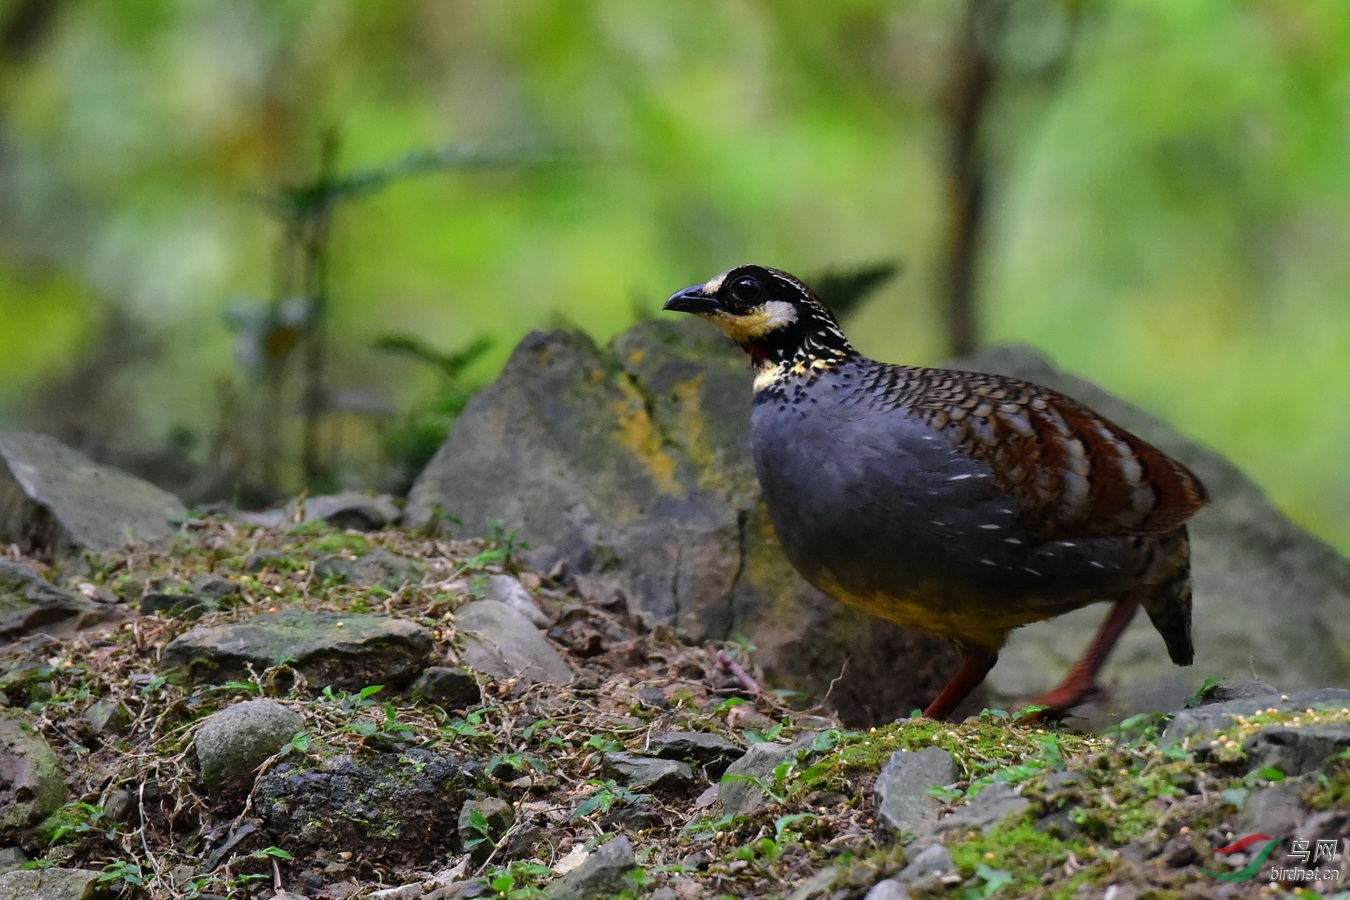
(403, 892)
(502, 643)
(739, 790)
(642, 772)
(378, 567)
(1178, 853)
(603, 873)
(990, 808)
(652, 697)
(927, 865)
(1233, 689)
(48, 884)
(711, 750)
(29, 604)
(350, 510)
(814, 886)
(214, 587)
(525, 841)
(903, 785)
(746, 716)
(403, 807)
(11, 858)
(264, 559)
(890, 889)
(176, 606)
(1275, 809)
(232, 743)
(1059, 825)
(106, 718)
(451, 688)
(508, 589)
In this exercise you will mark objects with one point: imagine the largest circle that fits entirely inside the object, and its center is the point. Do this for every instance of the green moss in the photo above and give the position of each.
(1332, 790)
(985, 752)
(337, 542)
(1027, 855)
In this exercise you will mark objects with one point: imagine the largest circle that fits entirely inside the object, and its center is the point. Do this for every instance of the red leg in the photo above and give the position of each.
(1081, 679)
(975, 664)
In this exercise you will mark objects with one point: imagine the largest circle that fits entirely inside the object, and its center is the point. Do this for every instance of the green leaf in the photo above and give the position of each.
(1235, 797)
(1205, 692)
(993, 879)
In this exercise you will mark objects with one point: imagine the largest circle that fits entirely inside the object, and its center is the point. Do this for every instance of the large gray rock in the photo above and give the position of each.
(55, 501)
(1294, 749)
(32, 783)
(1269, 597)
(1211, 717)
(233, 742)
(29, 604)
(346, 651)
(630, 465)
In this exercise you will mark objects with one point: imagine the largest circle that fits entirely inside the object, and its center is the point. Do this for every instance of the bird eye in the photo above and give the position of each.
(744, 289)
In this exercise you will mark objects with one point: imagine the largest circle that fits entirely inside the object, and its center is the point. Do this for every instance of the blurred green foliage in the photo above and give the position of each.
(1169, 200)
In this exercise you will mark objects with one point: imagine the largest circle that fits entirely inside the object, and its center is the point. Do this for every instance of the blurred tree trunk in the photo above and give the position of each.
(974, 74)
(25, 25)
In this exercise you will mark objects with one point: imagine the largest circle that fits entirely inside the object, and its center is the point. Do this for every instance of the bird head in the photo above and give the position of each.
(772, 315)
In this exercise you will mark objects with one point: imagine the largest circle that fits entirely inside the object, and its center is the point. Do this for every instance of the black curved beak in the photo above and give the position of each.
(692, 300)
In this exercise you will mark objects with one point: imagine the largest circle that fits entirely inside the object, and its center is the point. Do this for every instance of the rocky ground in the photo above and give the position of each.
(282, 707)
(319, 702)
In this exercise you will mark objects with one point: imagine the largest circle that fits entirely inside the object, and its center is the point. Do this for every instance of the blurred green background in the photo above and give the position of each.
(1162, 189)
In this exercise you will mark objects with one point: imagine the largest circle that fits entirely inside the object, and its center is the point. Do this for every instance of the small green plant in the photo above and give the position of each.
(480, 824)
(506, 766)
(1205, 693)
(603, 743)
(75, 820)
(128, 874)
(503, 545)
(764, 736)
(1137, 730)
(467, 727)
(993, 879)
(776, 791)
(606, 795)
(270, 853)
(519, 882)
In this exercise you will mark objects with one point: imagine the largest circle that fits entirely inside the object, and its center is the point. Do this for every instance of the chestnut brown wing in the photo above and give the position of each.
(1073, 472)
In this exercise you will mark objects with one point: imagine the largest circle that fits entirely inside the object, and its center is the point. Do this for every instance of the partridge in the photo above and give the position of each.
(954, 503)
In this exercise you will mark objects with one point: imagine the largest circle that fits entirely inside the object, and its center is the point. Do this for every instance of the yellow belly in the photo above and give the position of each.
(965, 620)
